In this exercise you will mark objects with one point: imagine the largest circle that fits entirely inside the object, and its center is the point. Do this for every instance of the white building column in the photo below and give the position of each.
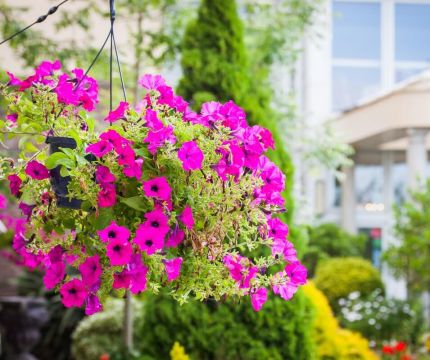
(416, 157)
(348, 201)
(394, 287)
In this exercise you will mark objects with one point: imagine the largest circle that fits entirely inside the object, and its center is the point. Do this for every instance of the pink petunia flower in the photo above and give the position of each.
(191, 156)
(115, 139)
(233, 116)
(93, 305)
(91, 271)
(14, 184)
(297, 273)
(173, 268)
(157, 188)
(231, 162)
(137, 273)
(241, 270)
(157, 221)
(118, 113)
(54, 274)
(286, 291)
(148, 239)
(152, 121)
(26, 209)
(121, 280)
(187, 217)
(277, 229)
(114, 232)
(13, 80)
(151, 82)
(119, 252)
(156, 138)
(258, 298)
(12, 118)
(104, 176)
(36, 170)
(126, 155)
(134, 170)
(73, 293)
(107, 196)
(3, 202)
(175, 238)
(100, 148)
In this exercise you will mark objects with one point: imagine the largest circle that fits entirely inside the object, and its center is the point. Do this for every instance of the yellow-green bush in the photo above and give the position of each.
(333, 342)
(178, 352)
(338, 277)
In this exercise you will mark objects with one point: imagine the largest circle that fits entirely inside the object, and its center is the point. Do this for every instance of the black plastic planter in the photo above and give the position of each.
(59, 183)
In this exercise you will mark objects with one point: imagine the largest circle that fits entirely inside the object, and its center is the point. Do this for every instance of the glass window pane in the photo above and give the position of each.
(399, 178)
(369, 187)
(412, 32)
(356, 30)
(350, 84)
(403, 74)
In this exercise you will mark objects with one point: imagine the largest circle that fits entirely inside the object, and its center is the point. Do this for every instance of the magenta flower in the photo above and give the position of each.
(277, 229)
(297, 273)
(126, 155)
(12, 118)
(191, 156)
(137, 273)
(107, 196)
(119, 252)
(157, 221)
(36, 170)
(121, 280)
(233, 116)
(100, 148)
(104, 176)
(152, 121)
(258, 298)
(114, 231)
(118, 113)
(115, 139)
(93, 305)
(187, 217)
(91, 271)
(157, 188)
(3, 202)
(73, 293)
(148, 239)
(241, 270)
(54, 274)
(286, 248)
(157, 138)
(231, 162)
(14, 184)
(13, 80)
(175, 237)
(152, 82)
(26, 209)
(286, 290)
(173, 268)
(134, 169)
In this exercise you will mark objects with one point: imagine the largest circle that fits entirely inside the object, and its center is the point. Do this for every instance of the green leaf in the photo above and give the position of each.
(53, 160)
(104, 219)
(136, 202)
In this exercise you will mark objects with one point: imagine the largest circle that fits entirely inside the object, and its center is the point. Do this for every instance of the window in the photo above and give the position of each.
(356, 51)
(412, 26)
(369, 187)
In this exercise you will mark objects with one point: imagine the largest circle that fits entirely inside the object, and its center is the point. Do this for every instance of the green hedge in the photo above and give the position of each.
(281, 330)
(338, 277)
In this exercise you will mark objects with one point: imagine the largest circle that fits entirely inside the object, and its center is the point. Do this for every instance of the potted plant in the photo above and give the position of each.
(171, 198)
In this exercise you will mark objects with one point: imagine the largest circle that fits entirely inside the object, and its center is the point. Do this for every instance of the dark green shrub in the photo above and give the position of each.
(338, 277)
(282, 330)
(215, 67)
(330, 240)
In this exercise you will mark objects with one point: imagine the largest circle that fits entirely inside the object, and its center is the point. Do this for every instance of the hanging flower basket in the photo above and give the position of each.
(170, 198)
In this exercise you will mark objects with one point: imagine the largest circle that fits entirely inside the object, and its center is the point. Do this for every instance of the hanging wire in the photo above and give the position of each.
(119, 68)
(39, 20)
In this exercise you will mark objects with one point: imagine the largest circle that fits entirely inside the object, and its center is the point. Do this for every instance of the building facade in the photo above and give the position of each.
(367, 75)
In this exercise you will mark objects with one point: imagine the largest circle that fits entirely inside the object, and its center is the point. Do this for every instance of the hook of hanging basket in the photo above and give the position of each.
(112, 10)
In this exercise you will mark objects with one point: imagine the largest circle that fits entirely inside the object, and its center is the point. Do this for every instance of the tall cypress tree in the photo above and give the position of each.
(215, 67)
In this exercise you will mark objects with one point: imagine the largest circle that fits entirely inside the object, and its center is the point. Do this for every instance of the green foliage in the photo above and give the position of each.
(330, 240)
(410, 258)
(215, 66)
(380, 319)
(102, 333)
(338, 277)
(229, 331)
